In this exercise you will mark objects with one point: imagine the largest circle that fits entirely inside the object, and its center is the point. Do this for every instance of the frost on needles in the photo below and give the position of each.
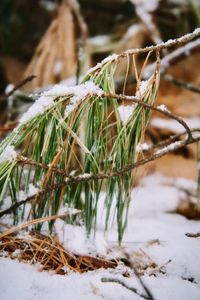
(46, 100)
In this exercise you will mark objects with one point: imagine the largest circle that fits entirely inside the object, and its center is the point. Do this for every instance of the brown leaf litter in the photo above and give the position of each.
(46, 251)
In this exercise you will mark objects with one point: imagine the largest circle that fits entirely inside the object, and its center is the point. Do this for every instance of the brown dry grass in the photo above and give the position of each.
(55, 56)
(37, 248)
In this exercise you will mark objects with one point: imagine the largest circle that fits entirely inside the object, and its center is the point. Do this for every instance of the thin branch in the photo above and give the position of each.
(29, 223)
(193, 235)
(132, 289)
(170, 43)
(18, 86)
(148, 292)
(116, 173)
(173, 57)
(182, 84)
(165, 112)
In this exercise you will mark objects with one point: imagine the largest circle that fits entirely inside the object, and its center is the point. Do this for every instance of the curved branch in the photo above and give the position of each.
(165, 112)
(116, 173)
(170, 43)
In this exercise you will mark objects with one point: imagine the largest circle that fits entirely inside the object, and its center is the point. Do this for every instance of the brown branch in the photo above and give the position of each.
(101, 176)
(193, 235)
(170, 43)
(182, 84)
(165, 112)
(28, 223)
(8, 127)
(18, 86)
(173, 57)
(122, 283)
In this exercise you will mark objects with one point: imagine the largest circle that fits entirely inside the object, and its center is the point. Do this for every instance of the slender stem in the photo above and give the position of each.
(170, 43)
(182, 84)
(173, 57)
(132, 289)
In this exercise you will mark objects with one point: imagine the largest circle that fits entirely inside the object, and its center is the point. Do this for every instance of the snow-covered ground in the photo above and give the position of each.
(153, 233)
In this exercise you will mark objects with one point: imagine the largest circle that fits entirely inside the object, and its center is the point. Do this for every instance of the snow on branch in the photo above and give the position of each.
(170, 43)
(46, 100)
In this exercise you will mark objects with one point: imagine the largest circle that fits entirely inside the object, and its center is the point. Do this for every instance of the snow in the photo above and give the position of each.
(148, 6)
(46, 100)
(37, 108)
(163, 108)
(131, 31)
(125, 111)
(170, 147)
(141, 147)
(150, 219)
(9, 88)
(57, 68)
(99, 40)
(8, 154)
(30, 284)
(32, 190)
(85, 175)
(74, 239)
(173, 125)
(143, 86)
(80, 92)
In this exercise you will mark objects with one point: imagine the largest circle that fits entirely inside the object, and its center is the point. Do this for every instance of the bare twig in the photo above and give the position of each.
(193, 235)
(132, 289)
(166, 112)
(28, 223)
(146, 289)
(173, 57)
(147, 19)
(18, 86)
(182, 84)
(170, 43)
(8, 127)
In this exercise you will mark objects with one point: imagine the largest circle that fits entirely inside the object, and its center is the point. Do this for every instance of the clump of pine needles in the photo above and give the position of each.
(82, 137)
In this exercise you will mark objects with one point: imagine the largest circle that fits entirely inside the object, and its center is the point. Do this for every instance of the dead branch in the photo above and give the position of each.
(182, 84)
(132, 289)
(18, 86)
(172, 58)
(193, 235)
(170, 43)
(166, 112)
